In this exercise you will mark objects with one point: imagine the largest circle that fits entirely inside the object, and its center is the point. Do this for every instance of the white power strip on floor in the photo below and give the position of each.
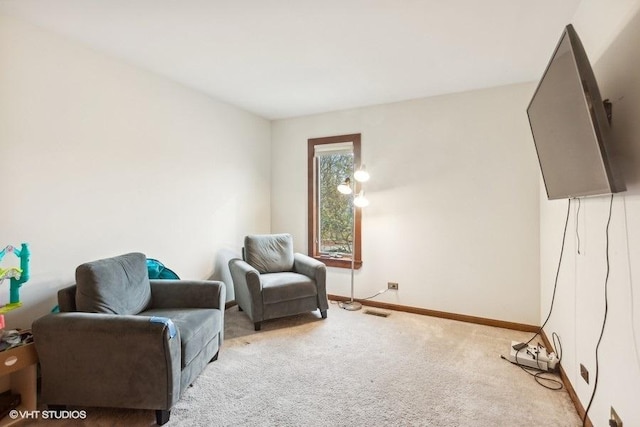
(532, 356)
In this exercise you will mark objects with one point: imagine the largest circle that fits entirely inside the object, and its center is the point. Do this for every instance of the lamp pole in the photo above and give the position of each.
(352, 305)
(360, 175)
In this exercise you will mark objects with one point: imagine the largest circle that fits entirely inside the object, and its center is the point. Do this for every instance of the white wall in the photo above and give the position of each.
(454, 201)
(101, 158)
(610, 32)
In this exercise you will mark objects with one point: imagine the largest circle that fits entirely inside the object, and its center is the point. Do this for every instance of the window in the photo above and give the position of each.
(333, 238)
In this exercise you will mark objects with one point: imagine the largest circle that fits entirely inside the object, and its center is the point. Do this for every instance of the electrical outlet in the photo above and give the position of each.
(392, 285)
(584, 373)
(615, 419)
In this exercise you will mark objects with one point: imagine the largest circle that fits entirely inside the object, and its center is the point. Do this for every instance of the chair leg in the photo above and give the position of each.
(323, 313)
(257, 326)
(162, 416)
(215, 357)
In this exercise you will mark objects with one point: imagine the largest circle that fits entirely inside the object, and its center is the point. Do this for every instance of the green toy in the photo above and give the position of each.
(17, 276)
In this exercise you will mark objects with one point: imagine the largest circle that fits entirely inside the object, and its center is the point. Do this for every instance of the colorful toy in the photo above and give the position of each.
(17, 276)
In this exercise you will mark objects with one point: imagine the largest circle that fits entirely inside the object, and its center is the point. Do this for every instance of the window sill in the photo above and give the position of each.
(339, 262)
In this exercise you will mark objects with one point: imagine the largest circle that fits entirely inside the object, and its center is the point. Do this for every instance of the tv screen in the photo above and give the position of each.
(570, 126)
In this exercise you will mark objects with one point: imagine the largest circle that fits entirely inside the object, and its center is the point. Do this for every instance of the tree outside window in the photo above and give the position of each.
(331, 234)
(335, 216)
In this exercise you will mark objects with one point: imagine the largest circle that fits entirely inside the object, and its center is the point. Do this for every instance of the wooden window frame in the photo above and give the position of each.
(355, 139)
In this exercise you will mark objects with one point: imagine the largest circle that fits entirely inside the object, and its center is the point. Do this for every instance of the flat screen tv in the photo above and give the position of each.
(570, 126)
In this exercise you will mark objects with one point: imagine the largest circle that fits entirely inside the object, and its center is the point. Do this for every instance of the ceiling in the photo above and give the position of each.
(286, 58)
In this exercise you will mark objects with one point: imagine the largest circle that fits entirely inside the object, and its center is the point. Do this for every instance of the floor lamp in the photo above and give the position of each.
(360, 201)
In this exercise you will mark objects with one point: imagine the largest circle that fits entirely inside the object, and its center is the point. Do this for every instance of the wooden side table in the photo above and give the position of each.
(18, 373)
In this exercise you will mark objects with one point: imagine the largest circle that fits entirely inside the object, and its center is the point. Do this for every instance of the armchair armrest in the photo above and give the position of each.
(310, 267)
(247, 287)
(315, 270)
(188, 294)
(75, 348)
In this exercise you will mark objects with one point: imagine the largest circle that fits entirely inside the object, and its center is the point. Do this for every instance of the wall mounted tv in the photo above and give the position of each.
(570, 127)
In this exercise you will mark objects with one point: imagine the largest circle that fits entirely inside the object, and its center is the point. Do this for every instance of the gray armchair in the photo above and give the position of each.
(272, 281)
(124, 341)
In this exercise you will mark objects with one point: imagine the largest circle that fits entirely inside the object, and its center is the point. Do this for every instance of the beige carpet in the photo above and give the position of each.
(355, 369)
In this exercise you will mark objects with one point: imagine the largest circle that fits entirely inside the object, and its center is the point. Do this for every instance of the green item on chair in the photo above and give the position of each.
(157, 270)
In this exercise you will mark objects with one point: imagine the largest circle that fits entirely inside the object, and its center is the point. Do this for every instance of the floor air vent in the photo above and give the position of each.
(377, 313)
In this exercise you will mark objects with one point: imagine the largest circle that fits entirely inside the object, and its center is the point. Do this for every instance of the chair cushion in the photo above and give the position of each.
(269, 253)
(118, 285)
(278, 287)
(197, 327)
